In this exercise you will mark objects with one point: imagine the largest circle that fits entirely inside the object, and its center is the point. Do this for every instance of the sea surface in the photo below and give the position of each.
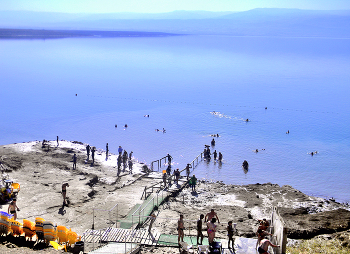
(80, 88)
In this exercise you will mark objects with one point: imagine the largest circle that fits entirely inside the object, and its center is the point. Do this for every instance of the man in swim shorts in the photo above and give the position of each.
(180, 229)
(64, 192)
(211, 215)
(200, 229)
(13, 209)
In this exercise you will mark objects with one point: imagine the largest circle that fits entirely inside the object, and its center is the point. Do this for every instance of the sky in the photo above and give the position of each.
(158, 6)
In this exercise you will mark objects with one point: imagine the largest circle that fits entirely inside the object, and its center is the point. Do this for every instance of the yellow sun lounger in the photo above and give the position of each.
(16, 227)
(62, 234)
(50, 233)
(5, 223)
(39, 228)
(28, 228)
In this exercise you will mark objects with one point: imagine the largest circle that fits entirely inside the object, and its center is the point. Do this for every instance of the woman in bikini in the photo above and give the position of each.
(211, 230)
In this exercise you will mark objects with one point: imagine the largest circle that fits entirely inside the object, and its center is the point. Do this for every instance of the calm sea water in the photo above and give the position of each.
(179, 81)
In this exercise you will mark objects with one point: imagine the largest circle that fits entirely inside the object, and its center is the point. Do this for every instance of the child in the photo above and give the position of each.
(230, 235)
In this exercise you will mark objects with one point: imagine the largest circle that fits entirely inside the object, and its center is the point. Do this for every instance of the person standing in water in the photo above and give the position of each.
(220, 156)
(215, 155)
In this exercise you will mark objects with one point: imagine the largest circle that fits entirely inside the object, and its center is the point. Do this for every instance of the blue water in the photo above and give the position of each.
(178, 81)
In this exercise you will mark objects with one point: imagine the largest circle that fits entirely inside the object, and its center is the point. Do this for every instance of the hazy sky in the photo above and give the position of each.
(154, 6)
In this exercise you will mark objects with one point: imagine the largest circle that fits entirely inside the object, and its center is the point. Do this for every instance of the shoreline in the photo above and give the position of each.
(27, 34)
(41, 173)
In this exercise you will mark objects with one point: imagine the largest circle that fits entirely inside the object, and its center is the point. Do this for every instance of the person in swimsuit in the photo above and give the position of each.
(211, 215)
(13, 209)
(180, 229)
(264, 245)
(188, 171)
(211, 230)
(64, 192)
(200, 229)
(230, 233)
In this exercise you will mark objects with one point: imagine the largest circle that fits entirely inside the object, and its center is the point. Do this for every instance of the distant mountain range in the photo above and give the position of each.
(256, 22)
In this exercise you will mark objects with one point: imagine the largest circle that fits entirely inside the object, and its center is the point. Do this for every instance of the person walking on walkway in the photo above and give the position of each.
(177, 176)
(188, 171)
(169, 159)
(164, 179)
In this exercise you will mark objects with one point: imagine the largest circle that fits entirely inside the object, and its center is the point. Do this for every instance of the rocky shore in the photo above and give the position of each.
(41, 172)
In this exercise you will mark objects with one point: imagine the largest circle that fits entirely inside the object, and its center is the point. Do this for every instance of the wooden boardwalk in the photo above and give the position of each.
(120, 235)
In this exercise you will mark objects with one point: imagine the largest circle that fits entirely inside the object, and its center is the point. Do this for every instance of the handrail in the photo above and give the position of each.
(159, 162)
(144, 194)
(140, 209)
(104, 210)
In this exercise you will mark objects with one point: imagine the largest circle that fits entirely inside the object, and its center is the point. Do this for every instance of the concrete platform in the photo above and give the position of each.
(117, 248)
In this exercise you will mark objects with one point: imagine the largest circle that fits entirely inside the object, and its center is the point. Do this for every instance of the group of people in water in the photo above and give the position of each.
(207, 153)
